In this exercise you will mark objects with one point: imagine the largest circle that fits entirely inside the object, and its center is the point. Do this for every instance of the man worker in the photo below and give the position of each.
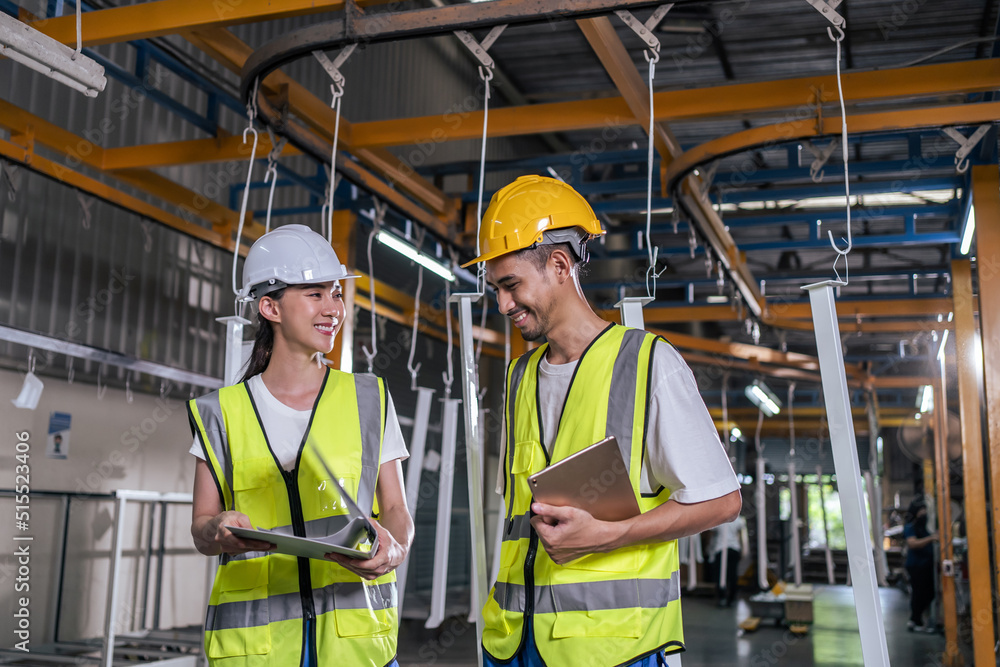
(573, 590)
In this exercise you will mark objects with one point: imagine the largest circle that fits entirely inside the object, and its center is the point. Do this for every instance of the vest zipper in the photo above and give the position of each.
(299, 527)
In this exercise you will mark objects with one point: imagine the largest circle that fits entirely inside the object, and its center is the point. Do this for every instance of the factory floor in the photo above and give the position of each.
(711, 636)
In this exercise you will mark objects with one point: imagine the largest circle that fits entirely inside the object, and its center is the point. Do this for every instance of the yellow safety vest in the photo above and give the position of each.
(602, 609)
(261, 601)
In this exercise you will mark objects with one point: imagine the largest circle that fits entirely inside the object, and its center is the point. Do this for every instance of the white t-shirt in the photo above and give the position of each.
(683, 450)
(285, 427)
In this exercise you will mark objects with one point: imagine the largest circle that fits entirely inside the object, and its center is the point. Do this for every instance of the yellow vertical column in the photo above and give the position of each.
(344, 226)
(952, 655)
(986, 196)
(976, 524)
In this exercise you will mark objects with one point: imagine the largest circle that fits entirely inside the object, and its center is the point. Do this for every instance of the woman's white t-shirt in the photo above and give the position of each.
(285, 427)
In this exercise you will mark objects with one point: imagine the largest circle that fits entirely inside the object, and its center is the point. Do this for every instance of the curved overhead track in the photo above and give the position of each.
(676, 175)
(358, 28)
(810, 127)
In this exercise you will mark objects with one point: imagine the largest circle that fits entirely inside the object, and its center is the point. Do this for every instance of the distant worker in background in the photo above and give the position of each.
(258, 445)
(732, 540)
(919, 564)
(573, 590)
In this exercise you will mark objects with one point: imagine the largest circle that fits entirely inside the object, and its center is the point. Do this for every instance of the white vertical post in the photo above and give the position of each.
(845, 460)
(442, 533)
(111, 609)
(414, 467)
(234, 347)
(473, 453)
(830, 578)
(793, 489)
(761, 526)
(631, 310)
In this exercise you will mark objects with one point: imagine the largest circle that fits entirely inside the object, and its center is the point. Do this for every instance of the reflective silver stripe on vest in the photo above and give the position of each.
(288, 606)
(355, 595)
(210, 412)
(521, 528)
(592, 596)
(370, 413)
(621, 401)
(520, 366)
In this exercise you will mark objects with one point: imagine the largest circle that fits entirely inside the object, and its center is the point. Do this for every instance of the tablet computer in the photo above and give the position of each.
(345, 541)
(594, 479)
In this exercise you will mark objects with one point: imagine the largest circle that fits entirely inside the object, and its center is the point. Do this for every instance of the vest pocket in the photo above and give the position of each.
(527, 458)
(370, 621)
(619, 561)
(254, 492)
(608, 623)
(238, 623)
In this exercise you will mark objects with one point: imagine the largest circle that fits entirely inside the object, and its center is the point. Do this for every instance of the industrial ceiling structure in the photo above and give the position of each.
(748, 175)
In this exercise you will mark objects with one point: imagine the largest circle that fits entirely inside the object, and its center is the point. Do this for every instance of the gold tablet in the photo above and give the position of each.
(594, 479)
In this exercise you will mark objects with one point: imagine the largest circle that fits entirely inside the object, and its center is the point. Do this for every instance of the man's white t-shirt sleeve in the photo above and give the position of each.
(684, 453)
(393, 445)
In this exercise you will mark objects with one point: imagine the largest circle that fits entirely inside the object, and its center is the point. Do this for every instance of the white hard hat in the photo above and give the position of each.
(289, 255)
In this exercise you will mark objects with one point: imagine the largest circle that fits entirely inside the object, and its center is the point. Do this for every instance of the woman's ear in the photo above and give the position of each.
(268, 309)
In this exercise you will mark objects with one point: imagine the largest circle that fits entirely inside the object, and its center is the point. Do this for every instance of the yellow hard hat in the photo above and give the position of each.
(521, 213)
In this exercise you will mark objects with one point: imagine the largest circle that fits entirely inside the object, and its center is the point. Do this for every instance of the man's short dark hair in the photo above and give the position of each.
(539, 255)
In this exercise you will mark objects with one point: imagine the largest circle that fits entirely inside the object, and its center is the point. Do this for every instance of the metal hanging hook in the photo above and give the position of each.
(251, 115)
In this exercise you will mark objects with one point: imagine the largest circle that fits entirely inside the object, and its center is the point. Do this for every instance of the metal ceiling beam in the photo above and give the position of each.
(782, 312)
(442, 217)
(618, 63)
(167, 17)
(733, 100)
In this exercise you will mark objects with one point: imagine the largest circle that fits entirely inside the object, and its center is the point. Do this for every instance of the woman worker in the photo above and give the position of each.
(259, 445)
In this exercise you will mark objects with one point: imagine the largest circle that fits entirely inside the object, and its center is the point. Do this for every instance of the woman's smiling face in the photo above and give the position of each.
(310, 316)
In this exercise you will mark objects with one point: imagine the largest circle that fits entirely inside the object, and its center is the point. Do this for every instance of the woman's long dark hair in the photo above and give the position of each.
(263, 342)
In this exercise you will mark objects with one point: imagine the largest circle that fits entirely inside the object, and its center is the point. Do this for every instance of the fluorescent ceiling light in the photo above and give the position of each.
(41, 53)
(718, 298)
(968, 230)
(761, 396)
(405, 249)
(925, 398)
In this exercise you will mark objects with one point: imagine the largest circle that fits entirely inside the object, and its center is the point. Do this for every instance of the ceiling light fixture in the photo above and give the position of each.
(925, 398)
(408, 251)
(968, 229)
(24, 44)
(765, 399)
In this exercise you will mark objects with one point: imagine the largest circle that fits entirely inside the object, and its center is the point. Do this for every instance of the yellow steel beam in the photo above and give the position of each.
(974, 473)
(677, 105)
(167, 17)
(618, 63)
(845, 309)
(231, 52)
(942, 470)
(755, 353)
(194, 151)
(985, 189)
(75, 179)
(80, 151)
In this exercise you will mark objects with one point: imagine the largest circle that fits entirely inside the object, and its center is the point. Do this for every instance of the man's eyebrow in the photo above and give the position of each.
(505, 279)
